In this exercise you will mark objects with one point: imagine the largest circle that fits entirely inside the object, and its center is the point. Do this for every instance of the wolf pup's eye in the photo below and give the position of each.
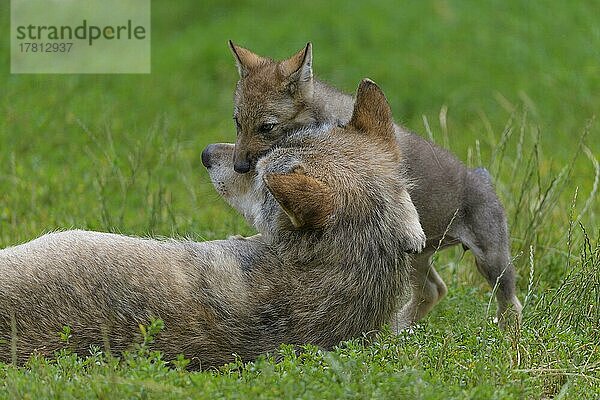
(266, 128)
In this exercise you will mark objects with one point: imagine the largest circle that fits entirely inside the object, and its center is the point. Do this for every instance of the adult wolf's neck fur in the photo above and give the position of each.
(344, 280)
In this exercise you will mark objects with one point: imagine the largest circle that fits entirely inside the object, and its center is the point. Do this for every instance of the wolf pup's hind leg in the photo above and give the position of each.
(485, 233)
(496, 266)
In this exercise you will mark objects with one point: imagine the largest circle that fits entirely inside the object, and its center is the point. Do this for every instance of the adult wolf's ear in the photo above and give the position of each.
(298, 71)
(307, 201)
(372, 113)
(244, 59)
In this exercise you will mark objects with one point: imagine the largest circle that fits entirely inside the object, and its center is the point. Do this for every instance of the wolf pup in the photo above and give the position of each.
(455, 204)
(307, 279)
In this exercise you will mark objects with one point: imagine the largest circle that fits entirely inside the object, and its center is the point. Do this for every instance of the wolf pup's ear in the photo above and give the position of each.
(298, 72)
(307, 201)
(244, 59)
(372, 113)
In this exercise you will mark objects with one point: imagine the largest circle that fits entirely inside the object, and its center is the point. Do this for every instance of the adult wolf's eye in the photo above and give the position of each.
(266, 128)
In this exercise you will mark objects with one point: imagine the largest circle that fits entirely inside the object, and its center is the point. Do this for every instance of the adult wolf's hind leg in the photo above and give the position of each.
(427, 289)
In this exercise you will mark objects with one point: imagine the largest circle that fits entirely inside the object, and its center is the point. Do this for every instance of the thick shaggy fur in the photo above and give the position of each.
(329, 266)
(456, 205)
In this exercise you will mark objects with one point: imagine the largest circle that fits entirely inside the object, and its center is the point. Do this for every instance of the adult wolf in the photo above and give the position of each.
(456, 205)
(307, 279)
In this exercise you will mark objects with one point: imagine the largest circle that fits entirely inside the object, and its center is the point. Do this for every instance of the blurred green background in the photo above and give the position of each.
(122, 151)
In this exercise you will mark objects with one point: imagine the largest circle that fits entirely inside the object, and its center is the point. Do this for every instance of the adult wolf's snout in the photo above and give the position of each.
(217, 155)
(207, 156)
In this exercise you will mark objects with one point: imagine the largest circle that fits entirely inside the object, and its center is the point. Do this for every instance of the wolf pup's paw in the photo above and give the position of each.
(411, 235)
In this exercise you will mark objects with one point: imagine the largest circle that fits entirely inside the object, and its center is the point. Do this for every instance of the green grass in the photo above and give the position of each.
(510, 85)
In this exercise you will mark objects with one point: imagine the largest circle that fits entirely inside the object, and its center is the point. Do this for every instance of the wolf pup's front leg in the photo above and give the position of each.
(411, 233)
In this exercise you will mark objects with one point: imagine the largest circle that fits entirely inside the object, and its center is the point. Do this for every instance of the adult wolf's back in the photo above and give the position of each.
(455, 204)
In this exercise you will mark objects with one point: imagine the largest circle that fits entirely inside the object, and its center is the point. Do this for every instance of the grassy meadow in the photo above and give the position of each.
(513, 86)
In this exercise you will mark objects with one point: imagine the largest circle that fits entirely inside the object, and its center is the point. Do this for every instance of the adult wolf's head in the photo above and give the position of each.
(328, 179)
(272, 98)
